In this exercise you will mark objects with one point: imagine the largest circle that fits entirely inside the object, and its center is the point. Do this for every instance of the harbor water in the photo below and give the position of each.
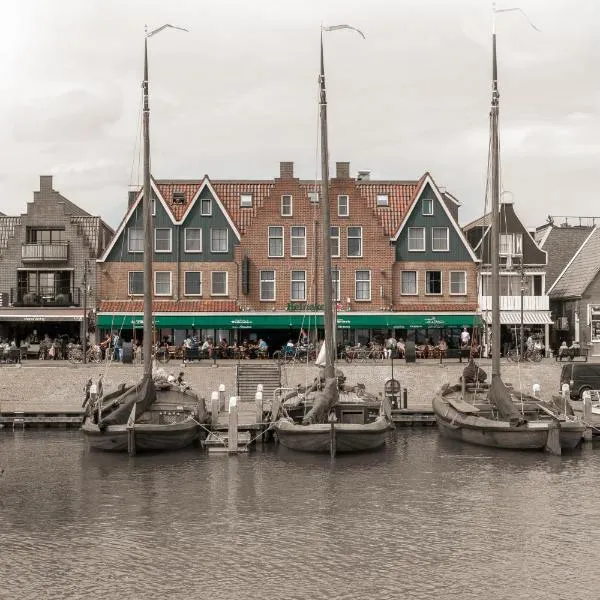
(423, 518)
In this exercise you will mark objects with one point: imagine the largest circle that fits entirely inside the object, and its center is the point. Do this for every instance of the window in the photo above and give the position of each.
(135, 240)
(193, 283)
(416, 239)
(193, 240)
(162, 240)
(246, 200)
(383, 200)
(458, 282)
(298, 291)
(162, 283)
(136, 283)
(153, 206)
(267, 285)
(275, 242)
(206, 207)
(433, 282)
(45, 236)
(427, 205)
(408, 283)
(335, 284)
(298, 241)
(178, 198)
(335, 241)
(218, 283)
(343, 206)
(355, 241)
(363, 285)
(286, 205)
(313, 197)
(511, 243)
(440, 239)
(218, 240)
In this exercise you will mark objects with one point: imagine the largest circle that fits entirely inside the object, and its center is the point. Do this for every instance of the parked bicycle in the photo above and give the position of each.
(75, 354)
(533, 355)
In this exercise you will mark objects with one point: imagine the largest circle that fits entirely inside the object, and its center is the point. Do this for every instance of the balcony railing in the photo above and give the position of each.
(57, 252)
(46, 297)
(514, 303)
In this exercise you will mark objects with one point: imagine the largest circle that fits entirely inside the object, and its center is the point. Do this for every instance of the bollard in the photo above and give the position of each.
(222, 402)
(587, 415)
(214, 408)
(258, 399)
(232, 439)
(259, 387)
(275, 409)
(405, 398)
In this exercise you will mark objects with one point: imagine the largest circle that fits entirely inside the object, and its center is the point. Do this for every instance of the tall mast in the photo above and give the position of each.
(147, 220)
(327, 295)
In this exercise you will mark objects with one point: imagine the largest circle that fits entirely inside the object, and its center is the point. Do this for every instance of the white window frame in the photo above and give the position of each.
(292, 281)
(261, 280)
(289, 213)
(213, 229)
(156, 274)
(464, 282)
(447, 248)
(297, 237)
(402, 292)
(382, 200)
(314, 197)
(170, 249)
(210, 203)
(153, 205)
(185, 239)
(356, 285)
(275, 237)
(339, 205)
(427, 214)
(441, 292)
(336, 290)
(354, 237)
(129, 292)
(129, 230)
(246, 200)
(423, 237)
(335, 237)
(185, 293)
(212, 283)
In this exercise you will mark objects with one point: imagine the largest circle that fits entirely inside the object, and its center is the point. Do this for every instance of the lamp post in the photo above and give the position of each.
(86, 269)
(522, 332)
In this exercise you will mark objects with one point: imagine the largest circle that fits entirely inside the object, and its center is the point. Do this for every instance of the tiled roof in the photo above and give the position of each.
(229, 194)
(437, 308)
(191, 306)
(91, 229)
(170, 188)
(581, 271)
(561, 243)
(7, 228)
(484, 221)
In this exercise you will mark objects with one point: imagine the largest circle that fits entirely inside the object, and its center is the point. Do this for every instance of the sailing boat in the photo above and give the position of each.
(494, 415)
(157, 413)
(360, 421)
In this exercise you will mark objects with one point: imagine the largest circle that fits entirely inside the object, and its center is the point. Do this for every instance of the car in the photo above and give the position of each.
(580, 377)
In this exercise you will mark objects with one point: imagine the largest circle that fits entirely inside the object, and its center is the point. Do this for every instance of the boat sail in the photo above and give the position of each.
(157, 413)
(494, 415)
(360, 422)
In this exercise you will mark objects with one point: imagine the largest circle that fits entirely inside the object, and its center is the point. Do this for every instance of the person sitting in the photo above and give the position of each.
(563, 349)
(263, 349)
(574, 350)
(207, 348)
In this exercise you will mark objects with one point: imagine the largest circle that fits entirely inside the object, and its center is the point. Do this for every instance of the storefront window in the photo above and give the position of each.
(595, 323)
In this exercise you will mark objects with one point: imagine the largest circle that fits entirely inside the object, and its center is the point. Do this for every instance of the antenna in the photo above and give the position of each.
(495, 11)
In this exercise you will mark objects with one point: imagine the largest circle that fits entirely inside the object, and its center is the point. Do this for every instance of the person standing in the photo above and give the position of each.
(465, 339)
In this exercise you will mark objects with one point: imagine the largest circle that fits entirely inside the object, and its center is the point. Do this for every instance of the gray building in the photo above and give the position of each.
(46, 255)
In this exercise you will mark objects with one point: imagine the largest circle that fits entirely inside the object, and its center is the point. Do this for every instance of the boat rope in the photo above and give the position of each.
(271, 425)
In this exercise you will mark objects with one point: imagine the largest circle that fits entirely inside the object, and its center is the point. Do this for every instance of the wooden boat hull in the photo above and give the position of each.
(481, 431)
(349, 437)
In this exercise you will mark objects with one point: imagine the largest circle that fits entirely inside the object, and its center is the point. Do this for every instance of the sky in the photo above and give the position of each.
(238, 94)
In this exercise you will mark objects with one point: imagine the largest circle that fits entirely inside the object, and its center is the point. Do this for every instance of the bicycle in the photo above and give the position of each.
(533, 355)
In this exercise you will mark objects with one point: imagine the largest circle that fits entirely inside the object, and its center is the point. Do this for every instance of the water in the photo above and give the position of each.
(424, 518)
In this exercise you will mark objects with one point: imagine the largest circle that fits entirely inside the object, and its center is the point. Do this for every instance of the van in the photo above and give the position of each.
(580, 377)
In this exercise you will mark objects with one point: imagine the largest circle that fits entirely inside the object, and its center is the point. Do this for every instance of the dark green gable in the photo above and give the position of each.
(457, 251)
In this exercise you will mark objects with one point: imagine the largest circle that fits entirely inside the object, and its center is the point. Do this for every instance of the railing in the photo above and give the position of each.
(46, 297)
(514, 303)
(57, 252)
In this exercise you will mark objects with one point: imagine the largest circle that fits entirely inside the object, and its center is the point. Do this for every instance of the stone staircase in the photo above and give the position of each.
(251, 373)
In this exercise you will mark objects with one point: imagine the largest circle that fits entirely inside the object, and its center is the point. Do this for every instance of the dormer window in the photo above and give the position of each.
(178, 198)
(427, 206)
(383, 200)
(313, 197)
(246, 200)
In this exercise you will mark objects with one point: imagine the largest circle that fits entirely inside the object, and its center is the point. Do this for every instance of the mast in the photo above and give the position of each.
(147, 220)
(495, 226)
(327, 292)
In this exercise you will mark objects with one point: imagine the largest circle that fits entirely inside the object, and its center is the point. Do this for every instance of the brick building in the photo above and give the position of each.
(44, 254)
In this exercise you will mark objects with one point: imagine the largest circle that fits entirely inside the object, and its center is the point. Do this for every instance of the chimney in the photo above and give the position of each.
(342, 170)
(131, 196)
(363, 176)
(45, 183)
(286, 170)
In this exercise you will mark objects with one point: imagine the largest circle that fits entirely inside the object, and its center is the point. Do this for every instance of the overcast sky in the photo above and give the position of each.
(237, 94)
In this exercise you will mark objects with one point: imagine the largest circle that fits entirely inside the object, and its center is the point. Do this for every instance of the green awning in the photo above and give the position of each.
(293, 320)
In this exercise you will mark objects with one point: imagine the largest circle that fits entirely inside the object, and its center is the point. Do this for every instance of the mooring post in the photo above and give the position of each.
(232, 440)
(222, 401)
(587, 415)
(214, 408)
(258, 399)
(332, 441)
(404, 398)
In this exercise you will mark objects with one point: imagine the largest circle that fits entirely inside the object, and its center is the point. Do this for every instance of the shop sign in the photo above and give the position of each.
(242, 323)
(294, 307)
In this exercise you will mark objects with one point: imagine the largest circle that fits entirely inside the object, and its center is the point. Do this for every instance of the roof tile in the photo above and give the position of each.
(192, 306)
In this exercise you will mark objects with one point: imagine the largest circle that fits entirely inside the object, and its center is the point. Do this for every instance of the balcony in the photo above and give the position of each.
(514, 303)
(55, 252)
(46, 297)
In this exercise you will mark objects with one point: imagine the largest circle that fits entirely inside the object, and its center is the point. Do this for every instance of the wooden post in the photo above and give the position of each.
(222, 401)
(258, 399)
(131, 432)
(553, 440)
(405, 398)
(232, 440)
(275, 409)
(214, 408)
(587, 416)
(332, 444)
